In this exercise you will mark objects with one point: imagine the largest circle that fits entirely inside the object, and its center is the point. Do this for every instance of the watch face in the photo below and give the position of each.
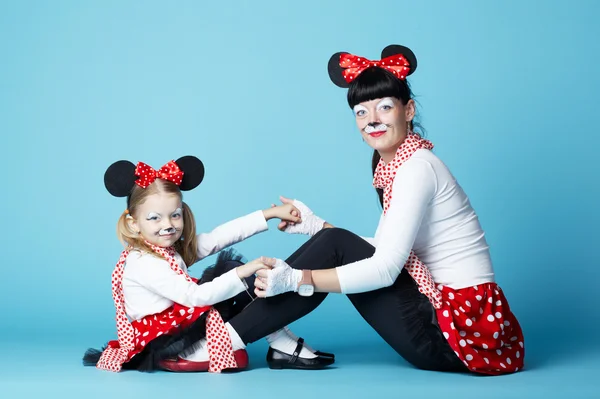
(306, 290)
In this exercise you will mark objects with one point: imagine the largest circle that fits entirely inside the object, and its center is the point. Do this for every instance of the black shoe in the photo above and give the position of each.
(318, 353)
(279, 360)
(325, 354)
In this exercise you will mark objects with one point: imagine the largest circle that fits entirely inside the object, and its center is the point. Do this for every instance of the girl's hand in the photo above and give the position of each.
(278, 280)
(252, 267)
(287, 212)
(310, 225)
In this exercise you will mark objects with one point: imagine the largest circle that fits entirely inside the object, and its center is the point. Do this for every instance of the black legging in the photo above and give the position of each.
(400, 314)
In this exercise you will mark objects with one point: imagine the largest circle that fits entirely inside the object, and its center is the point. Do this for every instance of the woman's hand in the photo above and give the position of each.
(310, 223)
(287, 212)
(278, 280)
(250, 268)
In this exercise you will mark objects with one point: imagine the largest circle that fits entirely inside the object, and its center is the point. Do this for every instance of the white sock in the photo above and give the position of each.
(281, 341)
(201, 353)
(236, 341)
(295, 338)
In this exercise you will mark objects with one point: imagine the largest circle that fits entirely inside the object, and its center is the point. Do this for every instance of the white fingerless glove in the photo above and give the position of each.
(311, 223)
(282, 278)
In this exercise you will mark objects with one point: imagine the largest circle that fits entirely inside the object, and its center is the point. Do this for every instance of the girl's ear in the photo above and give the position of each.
(132, 224)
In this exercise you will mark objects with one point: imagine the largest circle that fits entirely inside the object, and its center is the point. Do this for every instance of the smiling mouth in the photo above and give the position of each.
(167, 232)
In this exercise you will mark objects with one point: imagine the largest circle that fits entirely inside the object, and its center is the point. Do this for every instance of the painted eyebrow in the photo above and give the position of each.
(385, 101)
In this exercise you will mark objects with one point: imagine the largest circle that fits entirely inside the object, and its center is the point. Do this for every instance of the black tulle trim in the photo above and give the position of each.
(184, 341)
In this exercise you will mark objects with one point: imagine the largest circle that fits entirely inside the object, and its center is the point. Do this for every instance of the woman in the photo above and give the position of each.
(425, 282)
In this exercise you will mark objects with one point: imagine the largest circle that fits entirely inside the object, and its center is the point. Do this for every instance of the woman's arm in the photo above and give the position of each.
(414, 187)
(326, 280)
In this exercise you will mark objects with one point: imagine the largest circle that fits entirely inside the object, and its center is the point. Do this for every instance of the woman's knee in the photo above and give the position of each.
(336, 234)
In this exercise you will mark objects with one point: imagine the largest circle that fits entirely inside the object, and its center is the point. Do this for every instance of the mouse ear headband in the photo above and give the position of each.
(344, 67)
(187, 172)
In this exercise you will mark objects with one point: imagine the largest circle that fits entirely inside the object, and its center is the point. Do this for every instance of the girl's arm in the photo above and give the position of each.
(231, 233)
(239, 229)
(154, 274)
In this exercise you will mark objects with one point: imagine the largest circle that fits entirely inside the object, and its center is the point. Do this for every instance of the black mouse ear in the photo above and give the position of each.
(335, 70)
(193, 172)
(395, 49)
(119, 178)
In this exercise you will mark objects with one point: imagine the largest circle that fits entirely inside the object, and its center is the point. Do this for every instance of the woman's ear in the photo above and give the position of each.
(409, 110)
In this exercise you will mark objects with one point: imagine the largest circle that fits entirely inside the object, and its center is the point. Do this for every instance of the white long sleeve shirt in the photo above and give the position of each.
(151, 286)
(430, 214)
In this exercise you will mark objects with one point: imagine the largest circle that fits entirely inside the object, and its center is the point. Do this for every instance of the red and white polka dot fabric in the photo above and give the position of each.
(169, 171)
(479, 326)
(476, 321)
(354, 65)
(133, 337)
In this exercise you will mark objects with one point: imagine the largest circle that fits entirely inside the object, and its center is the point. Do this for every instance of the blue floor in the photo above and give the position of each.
(49, 371)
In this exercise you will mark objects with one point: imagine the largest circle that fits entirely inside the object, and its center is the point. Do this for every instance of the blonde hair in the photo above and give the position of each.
(187, 247)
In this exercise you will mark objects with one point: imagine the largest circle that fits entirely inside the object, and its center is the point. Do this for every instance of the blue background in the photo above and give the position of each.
(507, 91)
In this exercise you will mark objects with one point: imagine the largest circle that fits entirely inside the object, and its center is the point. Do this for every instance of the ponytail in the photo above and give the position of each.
(188, 246)
(127, 237)
(374, 163)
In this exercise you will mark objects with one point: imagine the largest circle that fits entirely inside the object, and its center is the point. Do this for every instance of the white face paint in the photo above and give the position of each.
(382, 123)
(382, 127)
(167, 231)
(359, 110)
(153, 216)
(163, 223)
(385, 105)
(170, 230)
(382, 106)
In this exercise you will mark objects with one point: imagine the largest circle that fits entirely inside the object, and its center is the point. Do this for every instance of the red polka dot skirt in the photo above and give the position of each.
(481, 329)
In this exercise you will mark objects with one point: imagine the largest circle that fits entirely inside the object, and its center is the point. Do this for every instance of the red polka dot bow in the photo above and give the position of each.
(354, 65)
(170, 171)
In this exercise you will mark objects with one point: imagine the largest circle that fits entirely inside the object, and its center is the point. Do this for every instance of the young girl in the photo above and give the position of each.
(165, 318)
